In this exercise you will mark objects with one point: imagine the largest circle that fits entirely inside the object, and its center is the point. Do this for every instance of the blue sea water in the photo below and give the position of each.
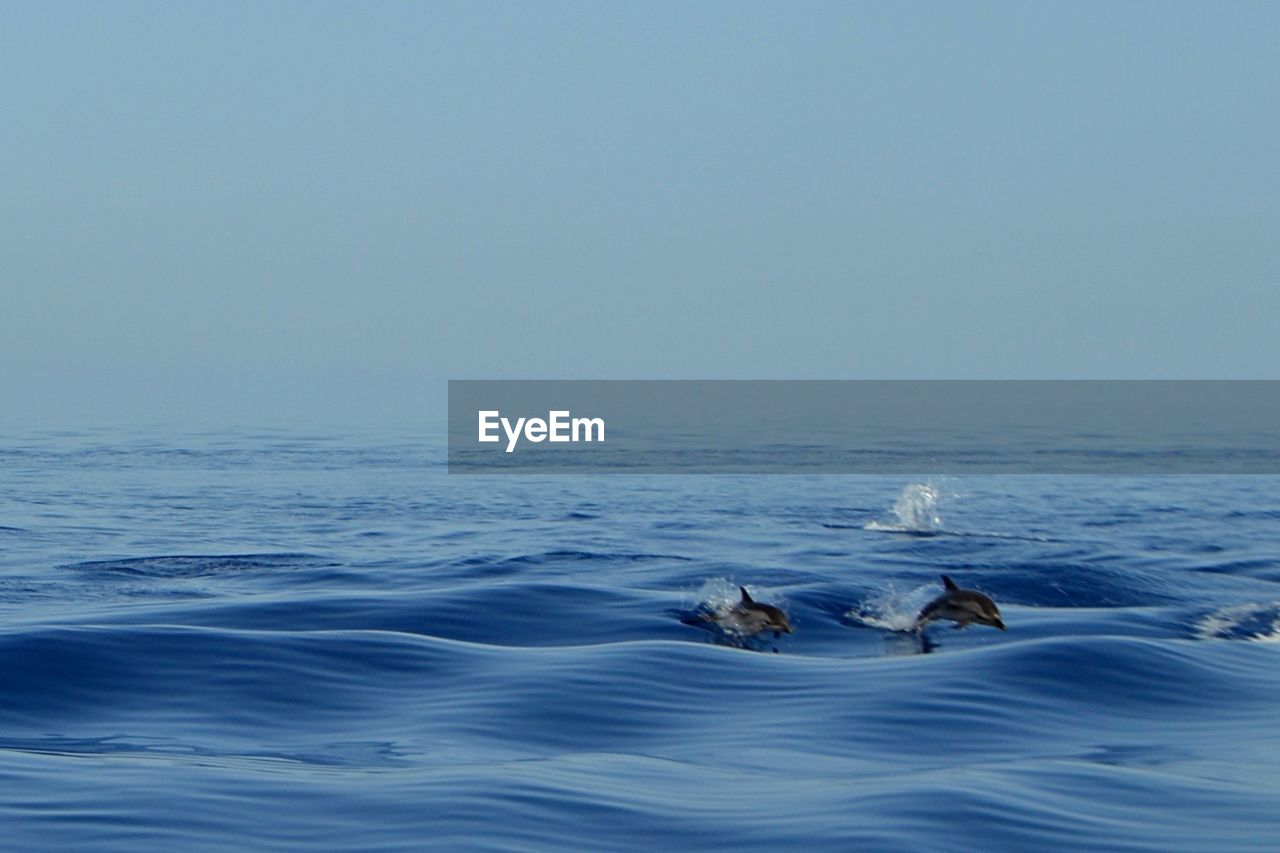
(274, 639)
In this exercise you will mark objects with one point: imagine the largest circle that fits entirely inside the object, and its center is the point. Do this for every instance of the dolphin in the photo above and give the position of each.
(749, 617)
(961, 606)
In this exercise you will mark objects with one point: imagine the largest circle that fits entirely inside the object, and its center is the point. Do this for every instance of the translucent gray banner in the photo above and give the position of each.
(864, 427)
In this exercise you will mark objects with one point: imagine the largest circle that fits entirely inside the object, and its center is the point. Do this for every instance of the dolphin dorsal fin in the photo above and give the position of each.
(746, 597)
(949, 584)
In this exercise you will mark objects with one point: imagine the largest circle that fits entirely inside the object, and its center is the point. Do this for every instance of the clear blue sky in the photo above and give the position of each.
(326, 210)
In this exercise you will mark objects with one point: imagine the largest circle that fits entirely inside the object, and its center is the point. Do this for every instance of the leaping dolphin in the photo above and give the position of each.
(749, 617)
(962, 606)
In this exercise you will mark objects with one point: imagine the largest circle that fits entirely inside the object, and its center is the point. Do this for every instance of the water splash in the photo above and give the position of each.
(915, 511)
(1258, 623)
(893, 610)
(716, 595)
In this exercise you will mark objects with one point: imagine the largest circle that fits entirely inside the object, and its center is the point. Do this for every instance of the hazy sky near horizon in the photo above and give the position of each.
(324, 210)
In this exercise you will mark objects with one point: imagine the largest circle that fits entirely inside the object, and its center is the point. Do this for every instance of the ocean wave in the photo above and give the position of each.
(505, 664)
(195, 565)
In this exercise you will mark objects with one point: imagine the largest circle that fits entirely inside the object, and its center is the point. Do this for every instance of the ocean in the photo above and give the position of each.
(275, 639)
